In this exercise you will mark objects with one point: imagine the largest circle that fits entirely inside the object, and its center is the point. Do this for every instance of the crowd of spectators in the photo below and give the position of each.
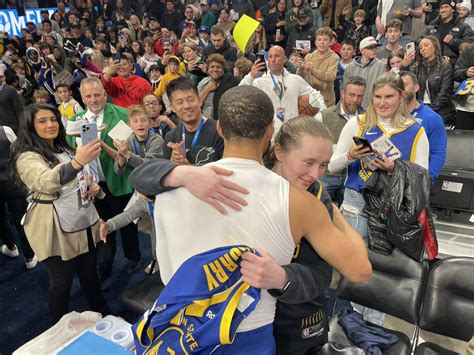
(110, 61)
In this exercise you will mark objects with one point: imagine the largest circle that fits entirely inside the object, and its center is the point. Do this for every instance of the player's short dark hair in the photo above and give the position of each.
(245, 112)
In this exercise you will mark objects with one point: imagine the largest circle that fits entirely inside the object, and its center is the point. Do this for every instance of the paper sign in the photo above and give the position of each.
(466, 87)
(302, 44)
(243, 30)
(120, 131)
(452, 186)
(63, 77)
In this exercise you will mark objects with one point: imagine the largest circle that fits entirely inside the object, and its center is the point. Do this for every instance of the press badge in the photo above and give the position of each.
(280, 113)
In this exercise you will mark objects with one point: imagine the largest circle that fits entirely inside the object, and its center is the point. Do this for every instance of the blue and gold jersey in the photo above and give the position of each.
(200, 308)
(405, 139)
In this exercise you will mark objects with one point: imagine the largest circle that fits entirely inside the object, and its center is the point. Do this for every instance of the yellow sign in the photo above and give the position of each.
(243, 30)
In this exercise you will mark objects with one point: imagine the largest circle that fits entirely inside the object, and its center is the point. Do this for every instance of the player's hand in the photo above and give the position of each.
(208, 183)
(262, 271)
(103, 230)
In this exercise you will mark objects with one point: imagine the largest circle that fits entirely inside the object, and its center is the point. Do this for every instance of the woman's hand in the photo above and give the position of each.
(87, 153)
(408, 59)
(192, 65)
(262, 271)
(383, 163)
(92, 188)
(358, 152)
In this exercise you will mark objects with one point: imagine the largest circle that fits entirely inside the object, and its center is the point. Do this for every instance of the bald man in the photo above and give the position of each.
(282, 87)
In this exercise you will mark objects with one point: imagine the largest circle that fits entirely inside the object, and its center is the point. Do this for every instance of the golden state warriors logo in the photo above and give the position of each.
(365, 172)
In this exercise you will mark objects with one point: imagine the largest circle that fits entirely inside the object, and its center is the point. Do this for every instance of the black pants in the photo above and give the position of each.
(61, 274)
(107, 208)
(464, 120)
(13, 198)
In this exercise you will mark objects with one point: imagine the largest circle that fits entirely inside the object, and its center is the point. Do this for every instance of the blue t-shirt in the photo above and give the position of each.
(437, 138)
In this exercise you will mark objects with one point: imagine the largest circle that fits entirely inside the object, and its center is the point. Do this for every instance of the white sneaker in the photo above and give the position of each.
(32, 264)
(8, 252)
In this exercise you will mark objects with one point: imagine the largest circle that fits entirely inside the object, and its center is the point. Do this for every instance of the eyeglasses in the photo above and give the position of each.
(151, 103)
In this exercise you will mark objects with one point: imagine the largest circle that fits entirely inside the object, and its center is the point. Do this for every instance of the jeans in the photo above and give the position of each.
(353, 212)
(318, 20)
(334, 185)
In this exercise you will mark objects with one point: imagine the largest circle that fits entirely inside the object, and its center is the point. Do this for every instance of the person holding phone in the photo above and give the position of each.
(386, 115)
(49, 167)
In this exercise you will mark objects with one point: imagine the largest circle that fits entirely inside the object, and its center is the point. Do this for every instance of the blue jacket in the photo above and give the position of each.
(201, 307)
(436, 133)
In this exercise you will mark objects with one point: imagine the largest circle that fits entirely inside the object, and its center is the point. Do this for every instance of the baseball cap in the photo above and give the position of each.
(203, 2)
(168, 41)
(152, 18)
(368, 42)
(204, 29)
(304, 12)
(448, 2)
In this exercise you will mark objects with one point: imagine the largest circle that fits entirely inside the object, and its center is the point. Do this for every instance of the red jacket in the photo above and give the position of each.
(126, 92)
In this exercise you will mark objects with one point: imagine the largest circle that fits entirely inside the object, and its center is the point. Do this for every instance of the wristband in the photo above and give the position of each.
(82, 166)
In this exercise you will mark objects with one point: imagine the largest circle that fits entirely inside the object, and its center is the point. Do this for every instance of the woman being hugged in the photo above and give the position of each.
(51, 170)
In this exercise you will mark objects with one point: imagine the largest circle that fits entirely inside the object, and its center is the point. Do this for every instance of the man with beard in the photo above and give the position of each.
(213, 87)
(430, 120)
(335, 118)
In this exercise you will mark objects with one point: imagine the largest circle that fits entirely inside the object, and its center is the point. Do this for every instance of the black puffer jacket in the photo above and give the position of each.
(440, 87)
(394, 204)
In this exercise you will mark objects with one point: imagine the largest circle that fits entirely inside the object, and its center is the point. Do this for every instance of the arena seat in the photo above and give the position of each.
(454, 187)
(141, 296)
(396, 288)
(448, 306)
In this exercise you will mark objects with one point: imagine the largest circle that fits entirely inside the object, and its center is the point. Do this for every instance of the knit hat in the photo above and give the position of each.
(448, 2)
(465, 4)
(167, 41)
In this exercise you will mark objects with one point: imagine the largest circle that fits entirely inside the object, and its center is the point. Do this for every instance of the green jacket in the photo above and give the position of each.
(118, 185)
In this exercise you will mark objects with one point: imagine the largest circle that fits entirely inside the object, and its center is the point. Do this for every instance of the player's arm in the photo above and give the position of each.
(335, 241)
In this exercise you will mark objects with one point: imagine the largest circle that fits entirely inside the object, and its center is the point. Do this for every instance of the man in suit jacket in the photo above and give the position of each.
(117, 189)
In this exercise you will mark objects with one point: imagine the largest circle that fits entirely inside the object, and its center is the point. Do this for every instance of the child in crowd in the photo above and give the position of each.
(296, 59)
(68, 107)
(141, 146)
(346, 57)
(172, 73)
(154, 75)
(464, 11)
(41, 96)
(204, 37)
(355, 30)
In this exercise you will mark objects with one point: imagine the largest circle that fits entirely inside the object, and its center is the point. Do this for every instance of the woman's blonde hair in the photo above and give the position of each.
(401, 118)
(98, 59)
(291, 134)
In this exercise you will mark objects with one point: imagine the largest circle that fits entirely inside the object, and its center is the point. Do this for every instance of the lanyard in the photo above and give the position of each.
(151, 209)
(279, 87)
(196, 135)
(136, 145)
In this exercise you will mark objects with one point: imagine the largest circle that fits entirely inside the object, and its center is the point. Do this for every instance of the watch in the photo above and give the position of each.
(275, 292)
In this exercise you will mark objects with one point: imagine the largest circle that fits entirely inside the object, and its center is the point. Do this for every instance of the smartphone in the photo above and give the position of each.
(410, 47)
(362, 141)
(116, 57)
(189, 26)
(88, 132)
(262, 59)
